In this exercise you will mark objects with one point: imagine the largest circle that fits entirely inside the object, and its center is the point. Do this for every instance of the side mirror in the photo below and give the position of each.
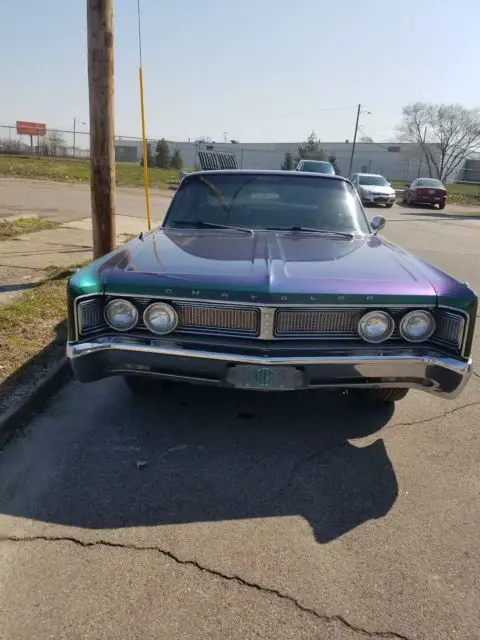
(377, 223)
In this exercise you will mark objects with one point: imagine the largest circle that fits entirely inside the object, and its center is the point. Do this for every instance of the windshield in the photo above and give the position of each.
(318, 167)
(262, 201)
(429, 183)
(378, 181)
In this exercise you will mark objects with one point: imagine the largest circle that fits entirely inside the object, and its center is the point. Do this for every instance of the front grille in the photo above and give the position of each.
(208, 318)
(90, 316)
(450, 329)
(200, 318)
(331, 323)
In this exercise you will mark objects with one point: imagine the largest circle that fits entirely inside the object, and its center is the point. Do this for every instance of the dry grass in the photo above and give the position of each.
(11, 228)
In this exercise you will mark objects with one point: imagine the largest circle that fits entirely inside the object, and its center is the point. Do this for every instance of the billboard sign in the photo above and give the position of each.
(31, 128)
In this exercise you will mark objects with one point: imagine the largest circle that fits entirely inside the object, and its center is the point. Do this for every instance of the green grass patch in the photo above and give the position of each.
(11, 228)
(128, 174)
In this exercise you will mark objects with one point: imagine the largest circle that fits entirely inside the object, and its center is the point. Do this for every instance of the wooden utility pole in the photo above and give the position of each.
(102, 128)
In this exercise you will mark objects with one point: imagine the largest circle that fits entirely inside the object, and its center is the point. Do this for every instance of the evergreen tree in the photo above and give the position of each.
(176, 161)
(333, 161)
(162, 159)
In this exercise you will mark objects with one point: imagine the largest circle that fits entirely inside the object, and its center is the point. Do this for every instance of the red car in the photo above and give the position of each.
(425, 191)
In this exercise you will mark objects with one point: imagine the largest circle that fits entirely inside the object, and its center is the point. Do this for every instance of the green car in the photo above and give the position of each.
(271, 281)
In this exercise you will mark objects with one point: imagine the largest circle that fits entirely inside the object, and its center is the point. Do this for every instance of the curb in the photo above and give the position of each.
(18, 417)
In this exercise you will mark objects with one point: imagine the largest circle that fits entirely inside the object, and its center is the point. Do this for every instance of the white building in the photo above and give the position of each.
(396, 161)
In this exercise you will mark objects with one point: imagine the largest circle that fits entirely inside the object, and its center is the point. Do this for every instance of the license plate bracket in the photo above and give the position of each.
(267, 378)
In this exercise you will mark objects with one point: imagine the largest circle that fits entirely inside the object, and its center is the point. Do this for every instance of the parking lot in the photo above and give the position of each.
(201, 513)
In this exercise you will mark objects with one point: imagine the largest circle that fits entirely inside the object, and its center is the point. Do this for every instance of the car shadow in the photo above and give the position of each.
(191, 454)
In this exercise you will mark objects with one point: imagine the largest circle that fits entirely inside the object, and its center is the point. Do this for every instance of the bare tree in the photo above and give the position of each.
(366, 139)
(446, 134)
(54, 143)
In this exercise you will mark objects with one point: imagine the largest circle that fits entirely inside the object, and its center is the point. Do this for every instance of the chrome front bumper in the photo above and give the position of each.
(437, 374)
(378, 199)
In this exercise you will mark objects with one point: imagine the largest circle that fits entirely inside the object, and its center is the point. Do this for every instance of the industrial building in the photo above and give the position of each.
(396, 161)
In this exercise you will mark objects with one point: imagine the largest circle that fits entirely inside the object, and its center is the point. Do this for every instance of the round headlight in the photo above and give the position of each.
(121, 314)
(376, 326)
(160, 318)
(417, 326)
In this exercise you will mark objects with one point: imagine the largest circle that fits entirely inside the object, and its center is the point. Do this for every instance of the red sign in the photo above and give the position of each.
(31, 128)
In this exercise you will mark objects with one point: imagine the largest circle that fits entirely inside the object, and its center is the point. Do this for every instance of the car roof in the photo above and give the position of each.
(319, 161)
(294, 175)
(376, 175)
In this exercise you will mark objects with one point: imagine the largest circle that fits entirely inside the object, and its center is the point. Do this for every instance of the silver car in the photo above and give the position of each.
(373, 189)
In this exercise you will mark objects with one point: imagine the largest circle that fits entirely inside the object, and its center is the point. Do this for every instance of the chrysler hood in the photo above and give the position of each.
(268, 266)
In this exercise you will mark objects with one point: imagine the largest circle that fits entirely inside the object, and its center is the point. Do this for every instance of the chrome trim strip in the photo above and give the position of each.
(391, 366)
(313, 305)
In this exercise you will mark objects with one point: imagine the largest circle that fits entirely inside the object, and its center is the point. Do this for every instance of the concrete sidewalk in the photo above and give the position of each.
(24, 259)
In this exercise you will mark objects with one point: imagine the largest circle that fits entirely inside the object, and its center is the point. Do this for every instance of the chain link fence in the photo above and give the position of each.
(403, 165)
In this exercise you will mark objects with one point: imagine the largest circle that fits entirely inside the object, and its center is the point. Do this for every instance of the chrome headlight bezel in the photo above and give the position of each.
(166, 308)
(389, 326)
(418, 312)
(129, 304)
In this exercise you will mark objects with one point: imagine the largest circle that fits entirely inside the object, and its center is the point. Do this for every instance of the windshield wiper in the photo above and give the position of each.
(201, 224)
(325, 232)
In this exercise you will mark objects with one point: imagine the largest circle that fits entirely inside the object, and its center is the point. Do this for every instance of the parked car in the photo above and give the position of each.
(316, 166)
(373, 189)
(426, 191)
(271, 281)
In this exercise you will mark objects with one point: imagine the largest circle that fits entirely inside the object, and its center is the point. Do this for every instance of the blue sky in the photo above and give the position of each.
(260, 70)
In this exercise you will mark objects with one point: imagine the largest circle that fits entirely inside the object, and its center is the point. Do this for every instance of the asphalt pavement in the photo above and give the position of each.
(66, 201)
(198, 513)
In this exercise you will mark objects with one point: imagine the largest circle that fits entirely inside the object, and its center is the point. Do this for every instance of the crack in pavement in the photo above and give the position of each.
(214, 572)
(432, 418)
(328, 449)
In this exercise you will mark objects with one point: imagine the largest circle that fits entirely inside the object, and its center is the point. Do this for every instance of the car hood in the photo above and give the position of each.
(373, 188)
(268, 266)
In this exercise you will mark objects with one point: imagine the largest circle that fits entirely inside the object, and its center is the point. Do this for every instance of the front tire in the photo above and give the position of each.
(142, 384)
(385, 395)
(389, 205)
(441, 205)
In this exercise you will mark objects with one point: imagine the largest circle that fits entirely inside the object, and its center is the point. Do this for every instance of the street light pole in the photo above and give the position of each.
(354, 140)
